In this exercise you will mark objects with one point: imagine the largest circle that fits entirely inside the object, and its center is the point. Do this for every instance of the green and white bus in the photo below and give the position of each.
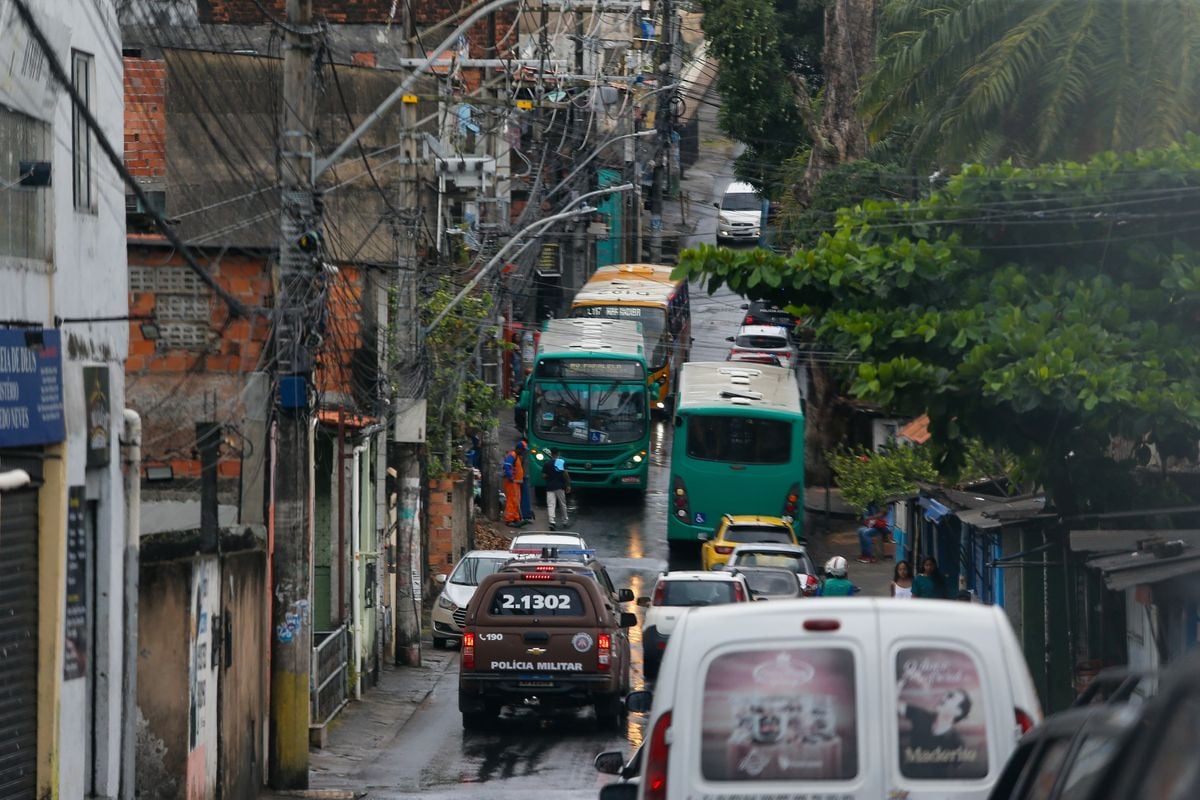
(587, 396)
(738, 448)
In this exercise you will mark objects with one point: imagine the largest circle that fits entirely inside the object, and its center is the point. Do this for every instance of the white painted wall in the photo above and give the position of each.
(85, 275)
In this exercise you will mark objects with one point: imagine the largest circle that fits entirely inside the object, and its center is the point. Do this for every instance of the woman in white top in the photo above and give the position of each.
(902, 581)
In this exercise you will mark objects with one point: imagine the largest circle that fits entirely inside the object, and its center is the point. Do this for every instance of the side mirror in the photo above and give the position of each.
(704, 536)
(628, 620)
(639, 702)
(624, 595)
(610, 762)
(716, 205)
(730, 339)
(644, 602)
(439, 580)
(745, 306)
(619, 791)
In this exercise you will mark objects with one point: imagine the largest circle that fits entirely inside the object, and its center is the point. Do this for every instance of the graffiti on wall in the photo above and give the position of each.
(202, 679)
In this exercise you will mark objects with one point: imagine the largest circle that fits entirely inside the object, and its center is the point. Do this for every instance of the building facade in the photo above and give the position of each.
(63, 342)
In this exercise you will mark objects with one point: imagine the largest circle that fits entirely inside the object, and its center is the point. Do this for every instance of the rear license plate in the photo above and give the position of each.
(535, 684)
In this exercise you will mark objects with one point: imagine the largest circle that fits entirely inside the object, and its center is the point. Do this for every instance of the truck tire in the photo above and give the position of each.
(610, 712)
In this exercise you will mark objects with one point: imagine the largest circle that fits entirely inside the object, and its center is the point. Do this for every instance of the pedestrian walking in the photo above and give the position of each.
(902, 581)
(514, 479)
(837, 582)
(929, 584)
(527, 486)
(558, 485)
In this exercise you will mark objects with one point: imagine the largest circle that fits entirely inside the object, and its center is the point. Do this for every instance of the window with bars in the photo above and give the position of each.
(83, 75)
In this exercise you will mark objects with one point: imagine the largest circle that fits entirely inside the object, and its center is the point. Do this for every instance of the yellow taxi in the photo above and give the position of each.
(744, 529)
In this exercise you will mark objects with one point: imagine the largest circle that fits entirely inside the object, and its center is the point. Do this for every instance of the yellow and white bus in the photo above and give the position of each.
(645, 293)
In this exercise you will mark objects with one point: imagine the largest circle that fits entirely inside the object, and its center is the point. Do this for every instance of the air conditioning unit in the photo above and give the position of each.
(157, 203)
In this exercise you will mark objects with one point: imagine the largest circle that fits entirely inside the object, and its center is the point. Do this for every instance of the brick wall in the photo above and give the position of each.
(203, 356)
(145, 117)
(450, 523)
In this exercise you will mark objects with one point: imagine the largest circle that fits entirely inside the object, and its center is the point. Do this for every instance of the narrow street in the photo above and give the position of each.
(430, 756)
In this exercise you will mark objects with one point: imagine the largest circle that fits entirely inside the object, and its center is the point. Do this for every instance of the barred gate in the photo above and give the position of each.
(329, 675)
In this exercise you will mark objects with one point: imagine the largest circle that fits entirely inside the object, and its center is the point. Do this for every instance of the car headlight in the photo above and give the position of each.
(721, 218)
(540, 457)
(637, 459)
(445, 602)
(629, 464)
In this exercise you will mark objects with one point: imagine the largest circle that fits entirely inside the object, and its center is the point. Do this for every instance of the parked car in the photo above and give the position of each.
(787, 556)
(1066, 755)
(1157, 759)
(742, 529)
(859, 698)
(769, 339)
(450, 609)
(771, 583)
(547, 638)
(673, 595)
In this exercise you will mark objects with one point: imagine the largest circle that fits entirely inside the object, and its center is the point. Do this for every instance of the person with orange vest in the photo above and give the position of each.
(514, 482)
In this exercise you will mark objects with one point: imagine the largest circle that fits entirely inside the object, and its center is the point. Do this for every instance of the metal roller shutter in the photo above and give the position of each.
(18, 644)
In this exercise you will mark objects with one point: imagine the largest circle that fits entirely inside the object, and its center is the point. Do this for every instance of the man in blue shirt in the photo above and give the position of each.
(558, 483)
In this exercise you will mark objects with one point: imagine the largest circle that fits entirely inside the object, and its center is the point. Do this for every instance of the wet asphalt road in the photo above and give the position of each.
(530, 754)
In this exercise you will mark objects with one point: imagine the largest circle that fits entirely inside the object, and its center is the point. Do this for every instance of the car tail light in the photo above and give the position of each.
(603, 651)
(659, 591)
(679, 499)
(820, 625)
(656, 759)
(722, 549)
(537, 576)
(544, 568)
(468, 650)
(810, 585)
(1024, 721)
(791, 502)
(739, 594)
(749, 320)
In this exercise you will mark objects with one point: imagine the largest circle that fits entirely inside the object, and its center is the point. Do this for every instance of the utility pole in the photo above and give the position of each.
(407, 439)
(662, 123)
(299, 252)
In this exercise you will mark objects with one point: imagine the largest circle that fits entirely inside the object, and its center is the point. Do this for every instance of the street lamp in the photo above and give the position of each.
(531, 228)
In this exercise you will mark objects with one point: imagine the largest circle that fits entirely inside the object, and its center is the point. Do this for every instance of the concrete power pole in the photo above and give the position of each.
(299, 251)
(662, 122)
(410, 406)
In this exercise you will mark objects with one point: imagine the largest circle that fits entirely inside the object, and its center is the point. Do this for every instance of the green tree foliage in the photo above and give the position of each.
(459, 403)
(1046, 311)
(1036, 80)
(869, 479)
(757, 43)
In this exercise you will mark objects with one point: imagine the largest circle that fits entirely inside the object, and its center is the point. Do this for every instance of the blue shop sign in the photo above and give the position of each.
(31, 393)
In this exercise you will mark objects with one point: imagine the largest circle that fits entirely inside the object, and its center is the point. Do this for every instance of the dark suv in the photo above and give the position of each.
(545, 634)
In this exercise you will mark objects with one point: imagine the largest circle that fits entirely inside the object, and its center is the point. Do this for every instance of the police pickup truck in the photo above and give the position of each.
(544, 635)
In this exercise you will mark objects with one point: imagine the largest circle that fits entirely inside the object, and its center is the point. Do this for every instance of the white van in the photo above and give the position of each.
(845, 698)
(739, 214)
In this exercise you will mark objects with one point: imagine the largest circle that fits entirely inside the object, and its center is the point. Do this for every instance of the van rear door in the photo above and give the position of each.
(785, 706)
(954, 725)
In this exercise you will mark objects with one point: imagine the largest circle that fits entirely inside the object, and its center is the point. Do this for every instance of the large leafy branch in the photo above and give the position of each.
(1048, 311)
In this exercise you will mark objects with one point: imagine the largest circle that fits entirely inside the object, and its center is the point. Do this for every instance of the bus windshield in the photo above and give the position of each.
(739, 440)
(654, 327)
(592, 413)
